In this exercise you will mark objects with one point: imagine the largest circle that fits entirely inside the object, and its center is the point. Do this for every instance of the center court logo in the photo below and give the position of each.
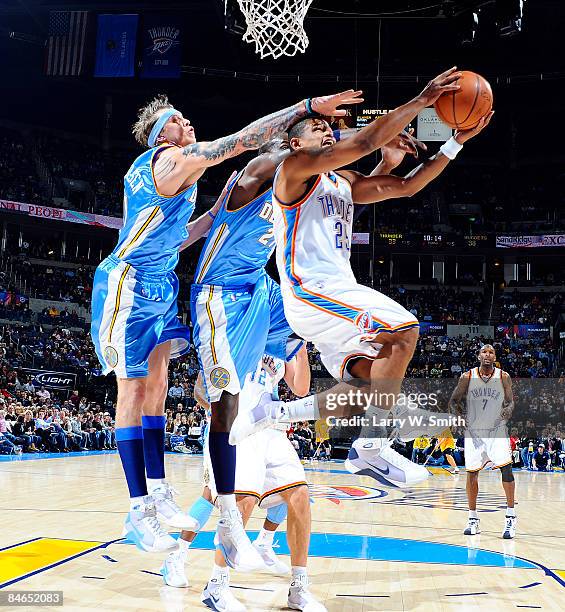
(339, 493)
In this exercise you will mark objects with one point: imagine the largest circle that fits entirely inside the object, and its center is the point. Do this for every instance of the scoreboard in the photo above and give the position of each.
(433, 241)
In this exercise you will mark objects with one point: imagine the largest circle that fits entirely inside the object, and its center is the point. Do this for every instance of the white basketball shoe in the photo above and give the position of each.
(145, 531)
(374, 457)
(168, 510)
(231, 539)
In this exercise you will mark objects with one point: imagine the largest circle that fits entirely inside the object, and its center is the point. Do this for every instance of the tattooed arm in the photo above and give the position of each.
(178, 166)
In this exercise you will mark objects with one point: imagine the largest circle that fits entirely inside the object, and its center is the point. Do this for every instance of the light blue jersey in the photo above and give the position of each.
(134, 295)
(154, 224)
(237, 309)
(239, 244)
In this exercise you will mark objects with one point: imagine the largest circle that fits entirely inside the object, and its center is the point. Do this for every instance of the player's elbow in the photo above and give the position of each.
(408, 189)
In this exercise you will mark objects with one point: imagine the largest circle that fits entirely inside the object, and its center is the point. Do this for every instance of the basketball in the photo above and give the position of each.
(463, 109)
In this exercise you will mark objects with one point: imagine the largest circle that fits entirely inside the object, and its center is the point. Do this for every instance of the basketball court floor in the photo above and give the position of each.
(372, 548)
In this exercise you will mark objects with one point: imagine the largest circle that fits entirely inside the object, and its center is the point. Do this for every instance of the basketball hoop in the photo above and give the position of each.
(276, 26)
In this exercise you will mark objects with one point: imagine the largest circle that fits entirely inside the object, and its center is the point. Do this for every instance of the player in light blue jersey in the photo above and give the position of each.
(135, 328)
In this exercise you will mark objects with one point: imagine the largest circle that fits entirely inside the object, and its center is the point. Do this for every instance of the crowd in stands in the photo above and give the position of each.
(468, 198)
(18, 176)
(447, 357)
(521, 308)
(439, 304)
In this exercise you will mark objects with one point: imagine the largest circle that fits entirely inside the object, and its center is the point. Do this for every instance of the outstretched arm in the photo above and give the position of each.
(307, 162)
(176, 165)
(367, 189)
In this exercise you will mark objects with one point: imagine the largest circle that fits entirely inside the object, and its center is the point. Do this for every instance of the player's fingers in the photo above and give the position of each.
(340, 113)
(445, 88)
(452, 78)
(353, 101)
(447, 72)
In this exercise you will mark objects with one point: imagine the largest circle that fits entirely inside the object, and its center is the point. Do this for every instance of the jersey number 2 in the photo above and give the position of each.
(341, 237)
(267, 237)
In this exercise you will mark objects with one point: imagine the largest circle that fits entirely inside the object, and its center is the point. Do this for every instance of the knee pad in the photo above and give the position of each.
(277, 514)
(507, 475)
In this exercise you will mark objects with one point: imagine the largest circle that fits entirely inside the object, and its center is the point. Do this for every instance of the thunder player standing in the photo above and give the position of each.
(135, 329)
(490, 402)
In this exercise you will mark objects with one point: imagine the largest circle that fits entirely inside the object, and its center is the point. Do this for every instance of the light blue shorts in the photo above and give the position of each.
(132, 313)
(233, 328)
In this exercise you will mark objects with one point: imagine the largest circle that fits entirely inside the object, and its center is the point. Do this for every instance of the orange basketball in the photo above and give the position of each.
(464, 108)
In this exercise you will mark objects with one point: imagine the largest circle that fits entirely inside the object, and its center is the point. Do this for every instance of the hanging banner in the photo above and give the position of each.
(473, 331)
(115, 45)
(531, 330)
(531, 242)
(60, 214)
(433, 329)
(161, 44)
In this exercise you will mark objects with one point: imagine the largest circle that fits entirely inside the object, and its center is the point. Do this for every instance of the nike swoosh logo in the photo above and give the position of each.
(379, 469)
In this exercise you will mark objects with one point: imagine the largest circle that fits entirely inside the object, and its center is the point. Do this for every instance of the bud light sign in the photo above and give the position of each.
(54, 380)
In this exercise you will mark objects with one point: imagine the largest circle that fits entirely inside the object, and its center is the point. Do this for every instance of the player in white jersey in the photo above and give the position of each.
(489, 404)
(269, 474)
(362, 335)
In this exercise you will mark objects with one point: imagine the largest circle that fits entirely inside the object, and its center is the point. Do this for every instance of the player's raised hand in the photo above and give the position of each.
(328, 105)
(444, 82)
(462, 136)
(405, 143)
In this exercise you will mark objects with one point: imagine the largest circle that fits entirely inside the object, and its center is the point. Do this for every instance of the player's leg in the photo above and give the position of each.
(448, 454)
(142, 526)
(229, 334)
(298, 529)
(217, 594)
(153, 427)
(265, 539)
(173, 569)
(509, 486)
(474, 462)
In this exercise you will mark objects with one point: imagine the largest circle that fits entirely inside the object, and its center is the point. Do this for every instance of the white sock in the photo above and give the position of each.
(153, 483)
(510, 511)
(473, 514)
(135, 502)
(303, 409)
(218, 572)
(226, 503)
(300, 575)
(183, 548)
(265, 537)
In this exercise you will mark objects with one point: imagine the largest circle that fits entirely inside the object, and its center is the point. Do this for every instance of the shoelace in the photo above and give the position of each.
(393, 457)
(151, 519)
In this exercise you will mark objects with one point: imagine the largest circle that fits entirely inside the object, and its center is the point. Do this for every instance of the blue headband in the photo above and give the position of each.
(160, 124)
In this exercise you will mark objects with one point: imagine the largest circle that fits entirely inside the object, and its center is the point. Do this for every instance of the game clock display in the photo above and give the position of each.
(433, 241)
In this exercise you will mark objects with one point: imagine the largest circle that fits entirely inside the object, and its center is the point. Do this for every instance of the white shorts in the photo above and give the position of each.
(480, 452)
(342, 321)
(267, 465)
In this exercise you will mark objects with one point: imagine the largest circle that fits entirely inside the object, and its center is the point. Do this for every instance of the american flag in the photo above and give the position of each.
(65, 43)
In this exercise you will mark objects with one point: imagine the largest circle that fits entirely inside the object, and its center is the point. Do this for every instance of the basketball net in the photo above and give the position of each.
(276, 26)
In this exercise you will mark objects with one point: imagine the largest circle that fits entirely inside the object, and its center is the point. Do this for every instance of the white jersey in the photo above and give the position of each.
(485, 398)
(265, 379)
(314, 235)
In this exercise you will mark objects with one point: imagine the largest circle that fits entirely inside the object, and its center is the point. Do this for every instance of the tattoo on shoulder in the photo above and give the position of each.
(164, 167)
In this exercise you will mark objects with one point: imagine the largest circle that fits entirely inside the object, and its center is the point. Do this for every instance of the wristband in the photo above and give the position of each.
(450, 148)
(309, 109)
(211, 215)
